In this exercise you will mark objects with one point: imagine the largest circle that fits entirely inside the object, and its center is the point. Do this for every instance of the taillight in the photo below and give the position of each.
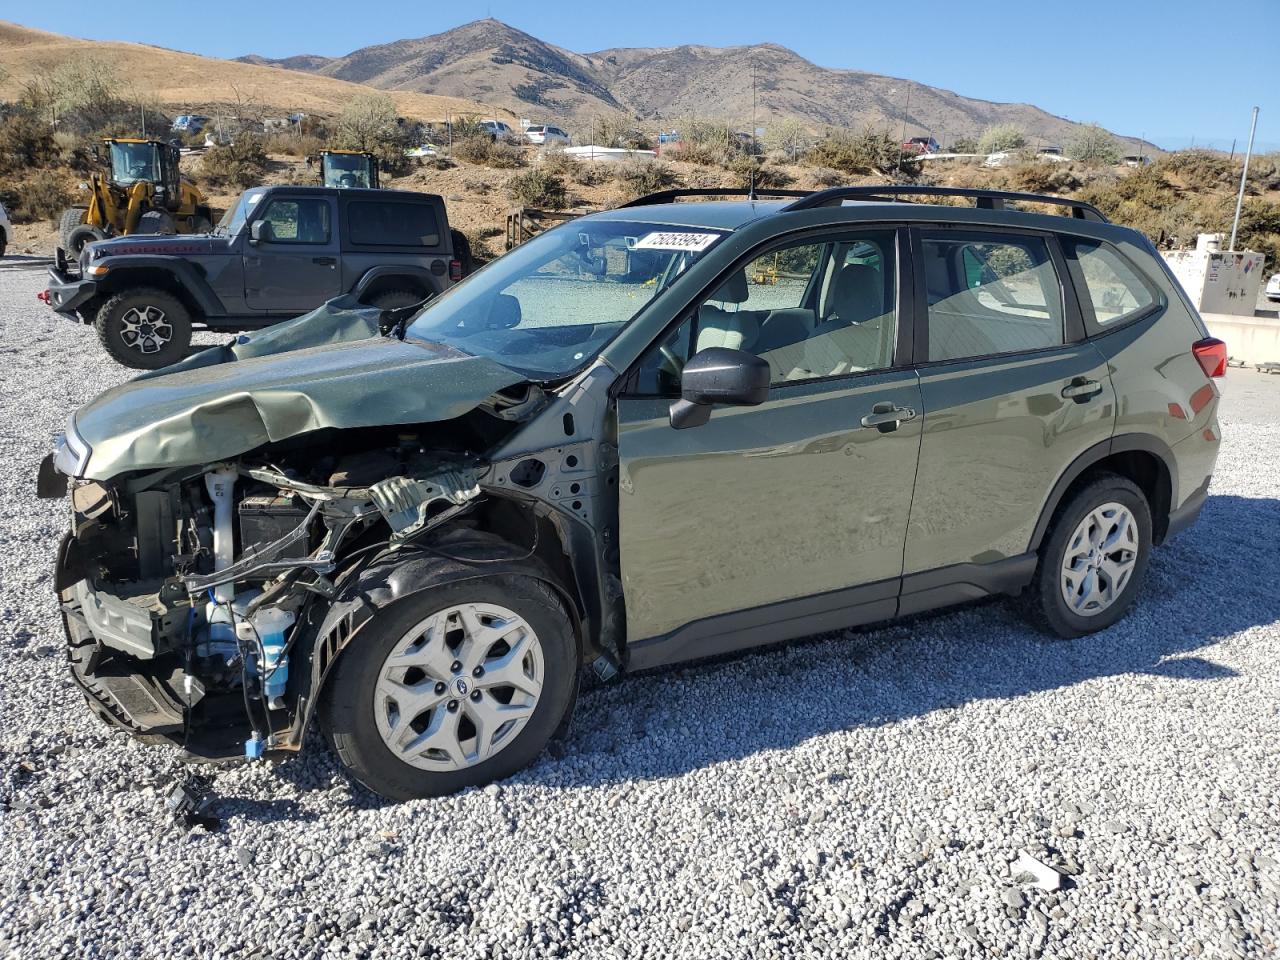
(1212, 356)
(43, 296)
(455, 270)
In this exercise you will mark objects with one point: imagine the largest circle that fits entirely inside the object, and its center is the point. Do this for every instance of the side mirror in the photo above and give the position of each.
(261, 231)
(719, 375)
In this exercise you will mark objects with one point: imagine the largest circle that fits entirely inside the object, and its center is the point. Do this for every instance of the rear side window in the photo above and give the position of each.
(1112, 286)
(380, 223)
(989, 295)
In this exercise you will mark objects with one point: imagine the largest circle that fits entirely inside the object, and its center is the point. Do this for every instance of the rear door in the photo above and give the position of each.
(786, 518)
(1012, 394)
(297, 270)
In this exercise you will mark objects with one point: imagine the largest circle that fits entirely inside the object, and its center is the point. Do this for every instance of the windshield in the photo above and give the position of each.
(549, 306)
(234, 218)
(346, 170)
(131, 162)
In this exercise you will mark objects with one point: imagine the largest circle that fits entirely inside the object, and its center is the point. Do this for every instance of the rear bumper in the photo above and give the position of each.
(68, 293)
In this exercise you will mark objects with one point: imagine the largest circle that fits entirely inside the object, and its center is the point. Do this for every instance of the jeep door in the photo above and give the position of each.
(1012, 394)
(787, 518)
(297, 268)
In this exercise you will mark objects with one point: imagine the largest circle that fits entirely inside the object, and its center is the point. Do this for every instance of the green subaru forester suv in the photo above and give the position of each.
(659, 433)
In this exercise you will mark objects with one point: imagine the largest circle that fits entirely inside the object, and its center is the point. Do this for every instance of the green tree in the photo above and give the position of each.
(965, 145)
(1001, 138)
(1093, 144)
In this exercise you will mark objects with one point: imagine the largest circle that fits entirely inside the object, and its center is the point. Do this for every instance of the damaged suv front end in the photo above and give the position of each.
(241, 517)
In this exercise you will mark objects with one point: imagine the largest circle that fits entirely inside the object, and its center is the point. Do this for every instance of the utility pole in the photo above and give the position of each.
(1244, 174)
(903, 139)
(751, 177)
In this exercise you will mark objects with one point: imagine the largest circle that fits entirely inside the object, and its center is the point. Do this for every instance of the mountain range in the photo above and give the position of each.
(505, 68)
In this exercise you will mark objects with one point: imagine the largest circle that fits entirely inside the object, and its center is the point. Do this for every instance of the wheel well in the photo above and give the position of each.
(153, 277)
(383, 284)
(1146, 470)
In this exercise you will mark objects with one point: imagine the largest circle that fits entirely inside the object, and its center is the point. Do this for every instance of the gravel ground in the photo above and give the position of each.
(859, 795)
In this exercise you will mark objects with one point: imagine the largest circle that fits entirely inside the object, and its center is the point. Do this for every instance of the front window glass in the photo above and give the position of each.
(550, 305)
(346, 170)
(233, 219)
(131, 162)
(990, 296)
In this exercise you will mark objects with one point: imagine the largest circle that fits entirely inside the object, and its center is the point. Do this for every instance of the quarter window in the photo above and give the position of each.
(389, 224)
(299, 221)
(990, 295)
(1113, 288)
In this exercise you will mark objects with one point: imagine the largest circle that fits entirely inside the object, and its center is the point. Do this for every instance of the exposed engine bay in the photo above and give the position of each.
(204, 604)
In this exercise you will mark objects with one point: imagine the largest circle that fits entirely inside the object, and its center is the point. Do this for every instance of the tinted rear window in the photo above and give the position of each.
(388, 224)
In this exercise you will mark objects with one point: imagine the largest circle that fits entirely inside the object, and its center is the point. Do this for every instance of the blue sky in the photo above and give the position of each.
(1170, 70)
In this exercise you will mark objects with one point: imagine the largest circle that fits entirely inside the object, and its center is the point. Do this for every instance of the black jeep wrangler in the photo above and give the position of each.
(277, 253)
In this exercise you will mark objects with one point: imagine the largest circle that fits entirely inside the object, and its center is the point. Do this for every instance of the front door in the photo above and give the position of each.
(787, 518)
(296, 269)
(1012, 395)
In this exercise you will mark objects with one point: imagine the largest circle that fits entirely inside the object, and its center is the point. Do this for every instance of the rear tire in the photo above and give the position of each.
(80, 237)
(394, 299)
(357, 692)
(72, 217)
(462, 252)
(144, 328)
(156, 222)
(1093, 561)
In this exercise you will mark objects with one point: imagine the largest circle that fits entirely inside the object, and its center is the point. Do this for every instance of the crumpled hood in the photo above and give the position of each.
(159, 245)
(329, 368)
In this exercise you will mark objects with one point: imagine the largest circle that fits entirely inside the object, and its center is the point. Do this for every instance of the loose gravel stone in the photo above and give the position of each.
(935, 751)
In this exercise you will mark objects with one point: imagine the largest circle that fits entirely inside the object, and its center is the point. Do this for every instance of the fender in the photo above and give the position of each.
(421, 276)
(1121, 443)
(453, 558)
(189, 278)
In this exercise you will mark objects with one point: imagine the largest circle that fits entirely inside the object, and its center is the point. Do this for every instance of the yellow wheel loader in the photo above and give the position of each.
(348, 168)
(142, 193)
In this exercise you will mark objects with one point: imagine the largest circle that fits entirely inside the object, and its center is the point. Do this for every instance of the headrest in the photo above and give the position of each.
(734, 288)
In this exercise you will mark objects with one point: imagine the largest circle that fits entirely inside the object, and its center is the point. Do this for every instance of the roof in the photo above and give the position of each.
(715, 214)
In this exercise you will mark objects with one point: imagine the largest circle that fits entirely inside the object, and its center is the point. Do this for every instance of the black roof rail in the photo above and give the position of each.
(670, 196)
(986, 199)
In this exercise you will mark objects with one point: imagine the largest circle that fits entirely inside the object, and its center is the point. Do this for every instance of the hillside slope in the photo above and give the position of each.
(505, 67)
(191, 82)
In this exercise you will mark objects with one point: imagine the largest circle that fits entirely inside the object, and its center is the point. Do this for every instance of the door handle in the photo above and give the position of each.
(1081, 390)
(885, 416)
(325, 261)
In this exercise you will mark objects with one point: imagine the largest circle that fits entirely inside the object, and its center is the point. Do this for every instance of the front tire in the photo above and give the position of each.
(453, 687)
(1094, 559)
(144, 328)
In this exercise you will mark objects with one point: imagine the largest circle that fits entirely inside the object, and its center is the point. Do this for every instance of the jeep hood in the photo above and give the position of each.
(161, 245)
(329, 368)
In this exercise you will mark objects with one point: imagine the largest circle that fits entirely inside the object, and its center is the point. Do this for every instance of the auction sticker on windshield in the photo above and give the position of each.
(696, 242)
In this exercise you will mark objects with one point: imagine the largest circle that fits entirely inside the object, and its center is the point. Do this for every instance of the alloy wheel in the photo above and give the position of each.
(458, 687)
(145, 329)
(1100, 559)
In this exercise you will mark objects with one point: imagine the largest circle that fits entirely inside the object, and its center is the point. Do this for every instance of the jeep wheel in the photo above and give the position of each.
(394, 299)
(81, 236)
(1094, 559)
(144, 328)
(452, 687)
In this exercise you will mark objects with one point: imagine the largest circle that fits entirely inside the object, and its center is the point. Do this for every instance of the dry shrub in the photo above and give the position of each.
(484, 152)
(558, 162)
(637, 178)
(241, 163)
(538, 188)
(40, 195)
(819, 178)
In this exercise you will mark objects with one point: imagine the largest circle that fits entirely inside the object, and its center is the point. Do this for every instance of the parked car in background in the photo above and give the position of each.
(496, 129)
(659, 433)
(921, 145)
(6, 230)
(277, 253)
(189, 123)
(543, 135)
